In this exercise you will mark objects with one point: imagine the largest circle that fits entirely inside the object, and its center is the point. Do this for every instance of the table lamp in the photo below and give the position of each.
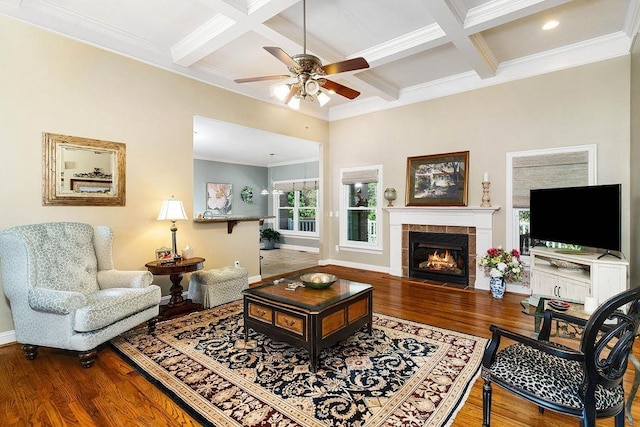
(172, 210)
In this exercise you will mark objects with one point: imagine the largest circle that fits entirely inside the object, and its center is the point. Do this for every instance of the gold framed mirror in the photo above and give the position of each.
(82, 172)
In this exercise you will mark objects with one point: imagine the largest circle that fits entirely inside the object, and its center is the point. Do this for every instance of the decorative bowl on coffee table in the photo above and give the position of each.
(318, 280)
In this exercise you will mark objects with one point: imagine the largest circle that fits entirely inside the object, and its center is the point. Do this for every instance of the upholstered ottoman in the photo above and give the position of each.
(218, 285)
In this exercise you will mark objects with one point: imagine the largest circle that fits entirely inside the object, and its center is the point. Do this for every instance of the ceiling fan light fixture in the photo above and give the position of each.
(309, 72)
(294, 103)
(323, 98)
(281, 91)
(311, 87)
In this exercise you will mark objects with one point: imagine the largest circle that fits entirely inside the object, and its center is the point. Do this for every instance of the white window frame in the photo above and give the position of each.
(296, 207)
(352, 245)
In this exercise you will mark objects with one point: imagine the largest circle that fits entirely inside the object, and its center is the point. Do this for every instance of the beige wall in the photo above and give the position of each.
(50, 83)
(585, 105)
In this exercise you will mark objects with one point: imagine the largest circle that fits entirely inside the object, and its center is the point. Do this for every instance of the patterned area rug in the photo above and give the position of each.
(404, 374)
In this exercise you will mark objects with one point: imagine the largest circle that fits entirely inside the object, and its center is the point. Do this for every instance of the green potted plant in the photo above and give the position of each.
(269, 236)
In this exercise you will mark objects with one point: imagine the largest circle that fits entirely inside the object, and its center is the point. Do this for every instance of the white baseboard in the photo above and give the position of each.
(299, 248)
(518, 289)
(368, 267)
(8, 337)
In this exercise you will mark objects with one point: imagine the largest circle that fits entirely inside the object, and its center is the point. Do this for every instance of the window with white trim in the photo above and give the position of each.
(547, 168)
(360, 210)
(297, 207)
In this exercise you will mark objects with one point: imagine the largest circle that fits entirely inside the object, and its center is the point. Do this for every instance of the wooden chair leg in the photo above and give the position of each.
(30, 351)
(87, 358)
(486, 404)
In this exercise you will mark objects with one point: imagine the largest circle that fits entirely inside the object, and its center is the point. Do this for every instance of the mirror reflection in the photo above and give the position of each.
(86, 171)
(83, 172)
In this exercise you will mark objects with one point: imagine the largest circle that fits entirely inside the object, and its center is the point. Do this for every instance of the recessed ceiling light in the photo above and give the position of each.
(550, 25)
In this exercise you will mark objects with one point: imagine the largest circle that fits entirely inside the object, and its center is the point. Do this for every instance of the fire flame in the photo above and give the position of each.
(435, 261)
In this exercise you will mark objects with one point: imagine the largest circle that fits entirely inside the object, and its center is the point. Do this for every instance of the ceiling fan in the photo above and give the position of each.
(309, 72)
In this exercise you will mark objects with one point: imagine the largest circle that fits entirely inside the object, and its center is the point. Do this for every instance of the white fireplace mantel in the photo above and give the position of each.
(465, 216)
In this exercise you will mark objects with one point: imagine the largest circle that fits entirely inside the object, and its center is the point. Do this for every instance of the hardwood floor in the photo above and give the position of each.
(54, 390)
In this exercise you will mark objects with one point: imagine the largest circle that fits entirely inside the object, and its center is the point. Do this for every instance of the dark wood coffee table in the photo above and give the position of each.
(307, 318)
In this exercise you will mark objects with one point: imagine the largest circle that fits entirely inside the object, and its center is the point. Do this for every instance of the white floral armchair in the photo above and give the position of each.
(64, 292)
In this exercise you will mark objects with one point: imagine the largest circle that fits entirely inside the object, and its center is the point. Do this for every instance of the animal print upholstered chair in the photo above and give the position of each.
(63, 289)
(585, 382)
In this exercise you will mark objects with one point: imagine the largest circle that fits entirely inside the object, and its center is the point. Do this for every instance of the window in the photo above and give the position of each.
(521, 221)
(360, 212)
(550, 168)
(296, 209)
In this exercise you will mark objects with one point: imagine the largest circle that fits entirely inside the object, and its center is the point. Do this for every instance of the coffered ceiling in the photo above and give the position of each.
(417, 49)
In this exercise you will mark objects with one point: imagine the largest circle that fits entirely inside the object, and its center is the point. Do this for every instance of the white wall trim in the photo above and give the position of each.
(8, 337)
(298, 248)
(356, 265)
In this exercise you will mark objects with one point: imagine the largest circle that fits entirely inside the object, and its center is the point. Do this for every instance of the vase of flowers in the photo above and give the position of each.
(501, 266)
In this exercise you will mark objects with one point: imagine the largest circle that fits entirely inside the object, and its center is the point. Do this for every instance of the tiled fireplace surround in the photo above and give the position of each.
(477, 222)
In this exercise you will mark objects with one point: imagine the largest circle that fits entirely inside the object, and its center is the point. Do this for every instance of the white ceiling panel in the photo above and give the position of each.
(421, 45)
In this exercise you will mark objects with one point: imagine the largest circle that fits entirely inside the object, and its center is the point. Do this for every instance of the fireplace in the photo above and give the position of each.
(476, 222)
(439, 257)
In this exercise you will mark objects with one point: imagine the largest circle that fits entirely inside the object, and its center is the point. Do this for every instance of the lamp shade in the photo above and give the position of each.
(323, 98)
(172, 210)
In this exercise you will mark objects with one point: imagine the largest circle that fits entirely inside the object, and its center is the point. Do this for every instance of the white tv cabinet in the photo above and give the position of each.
(601, 278)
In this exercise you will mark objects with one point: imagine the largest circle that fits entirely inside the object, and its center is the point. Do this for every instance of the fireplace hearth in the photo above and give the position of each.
(439, 257)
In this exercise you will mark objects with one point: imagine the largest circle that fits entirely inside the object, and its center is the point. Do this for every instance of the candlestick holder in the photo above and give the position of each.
(485, 194)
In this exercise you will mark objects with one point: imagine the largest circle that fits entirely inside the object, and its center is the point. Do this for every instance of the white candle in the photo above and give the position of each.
(485, 178)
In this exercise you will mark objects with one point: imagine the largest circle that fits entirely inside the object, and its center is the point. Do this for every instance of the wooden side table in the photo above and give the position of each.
(177, 304)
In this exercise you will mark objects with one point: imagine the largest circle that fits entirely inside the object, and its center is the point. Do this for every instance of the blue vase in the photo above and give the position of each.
(497, 286)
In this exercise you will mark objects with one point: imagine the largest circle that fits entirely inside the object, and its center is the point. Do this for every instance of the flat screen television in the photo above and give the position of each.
(585, 216)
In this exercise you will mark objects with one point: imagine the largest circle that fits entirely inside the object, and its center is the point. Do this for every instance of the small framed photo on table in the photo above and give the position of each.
(164, 254)
(438, 180)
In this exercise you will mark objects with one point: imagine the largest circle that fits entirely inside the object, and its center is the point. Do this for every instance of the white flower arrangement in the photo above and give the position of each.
(499, 263)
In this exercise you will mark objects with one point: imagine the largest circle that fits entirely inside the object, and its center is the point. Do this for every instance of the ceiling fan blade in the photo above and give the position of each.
(281, 55)
(293, 91)
(347, 65)
(347, 92)
(263, 78)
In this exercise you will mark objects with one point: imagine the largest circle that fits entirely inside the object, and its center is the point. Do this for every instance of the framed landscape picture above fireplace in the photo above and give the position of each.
(438, 180)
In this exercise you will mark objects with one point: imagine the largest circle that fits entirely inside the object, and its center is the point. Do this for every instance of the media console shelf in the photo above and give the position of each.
(581, 274)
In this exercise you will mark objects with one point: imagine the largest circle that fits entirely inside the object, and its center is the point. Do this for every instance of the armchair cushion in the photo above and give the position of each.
(107, 306)
(549, 377)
